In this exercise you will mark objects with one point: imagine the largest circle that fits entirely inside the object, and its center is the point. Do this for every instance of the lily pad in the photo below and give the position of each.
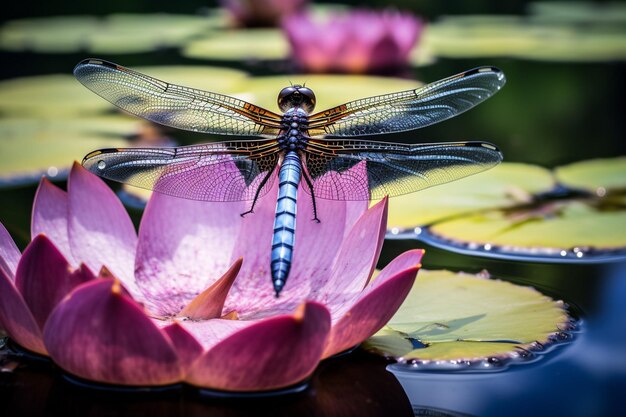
(518, 211)
(523, 37)
(451, 316)
(506, 185)
(595, 175)
(118, 33)
(550, 229)
(47, 96)
(241, 44)
(31, 148)
(330, 90)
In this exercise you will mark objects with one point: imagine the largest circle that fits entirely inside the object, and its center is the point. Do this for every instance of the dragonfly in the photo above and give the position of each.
(330, 150)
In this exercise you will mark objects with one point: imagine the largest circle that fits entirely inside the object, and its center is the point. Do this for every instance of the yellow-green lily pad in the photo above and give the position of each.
(61, 95)
(47, 96)
(118, 33)
(31, 148)
(462, 317)
(506, 185)
(330, 90)
(523, 37)
(553, 228)
(595, 175)
(240, 44)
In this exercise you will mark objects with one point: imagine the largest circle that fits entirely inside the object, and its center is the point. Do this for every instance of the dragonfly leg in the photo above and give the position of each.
(309, 184)
(256, 194)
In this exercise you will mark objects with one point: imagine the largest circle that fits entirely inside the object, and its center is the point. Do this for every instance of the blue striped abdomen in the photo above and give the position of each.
(285, 221)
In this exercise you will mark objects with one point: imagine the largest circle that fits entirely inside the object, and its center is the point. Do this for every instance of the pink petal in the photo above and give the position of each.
(49, 217)
(252, 290)
(376, 305)
(357, 258)
(16, 318)
(100, 231)
(101, 334)
(210, 332)
(187, 347)
(184, 246)
(44, 277)
(270, 354)
(316, 248)
(9, 253)
(209, 303)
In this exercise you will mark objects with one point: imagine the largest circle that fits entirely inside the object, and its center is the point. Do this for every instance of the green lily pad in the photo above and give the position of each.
(552, 228)
(515, 211)
(31, 148)
(517, 36)
(50, 96)
(118, 33)
(596, 175)
(506, 185)
(330, 90)
(241, 44)
(462, 317)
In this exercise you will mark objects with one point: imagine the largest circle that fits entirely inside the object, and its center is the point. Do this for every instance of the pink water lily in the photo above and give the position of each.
(189, 298)
(356, 42)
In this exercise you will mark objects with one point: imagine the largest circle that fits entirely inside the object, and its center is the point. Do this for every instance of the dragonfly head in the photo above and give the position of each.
(296, 96)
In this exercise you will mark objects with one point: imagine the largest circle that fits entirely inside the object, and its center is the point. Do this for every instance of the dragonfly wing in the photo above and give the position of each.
(411, 109)
(173, 105)
(359, 170)
(224, 171)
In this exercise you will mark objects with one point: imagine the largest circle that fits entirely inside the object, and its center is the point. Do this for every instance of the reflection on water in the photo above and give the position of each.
(350, 385)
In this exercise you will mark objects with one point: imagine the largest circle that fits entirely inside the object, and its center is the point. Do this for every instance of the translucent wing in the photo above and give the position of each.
(224, 171)
(360, 170)
(412, 109)
(173, 105)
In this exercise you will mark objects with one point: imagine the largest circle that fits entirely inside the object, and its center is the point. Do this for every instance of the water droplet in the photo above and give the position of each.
(102, 165)
(601, 191)
(487, 246)
(53, 171)
(579, 254)
(417, 230)
(563, 253)
(395, 231)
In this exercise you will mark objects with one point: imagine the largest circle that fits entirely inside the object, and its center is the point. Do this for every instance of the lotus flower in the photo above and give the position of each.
(189, 298)
(358, 42)
(253, 13)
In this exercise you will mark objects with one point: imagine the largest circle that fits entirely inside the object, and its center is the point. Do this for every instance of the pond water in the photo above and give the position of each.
(548, 114)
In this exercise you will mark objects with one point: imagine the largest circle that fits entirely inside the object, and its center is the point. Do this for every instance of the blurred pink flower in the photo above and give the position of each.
(356, 42)
(260, 13)
(189, 298)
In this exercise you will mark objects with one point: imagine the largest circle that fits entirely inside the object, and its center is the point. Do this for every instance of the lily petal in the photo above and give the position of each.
(187, 347)
(9, 253)
(100, 333)
(252, 291)
(356, 259)
(100, 231)
(49, 217)
(184, 247)
(273, 353)
(44, 277)
(16, 318)
(375, 306)
(209, 303)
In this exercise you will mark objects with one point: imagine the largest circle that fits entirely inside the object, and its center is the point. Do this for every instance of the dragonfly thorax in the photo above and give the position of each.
(293, 135)
(296, 96)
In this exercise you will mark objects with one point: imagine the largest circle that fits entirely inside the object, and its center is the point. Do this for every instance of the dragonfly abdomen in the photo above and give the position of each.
(285, 221)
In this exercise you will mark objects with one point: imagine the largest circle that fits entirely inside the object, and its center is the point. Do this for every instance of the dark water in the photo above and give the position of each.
(548, 114)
